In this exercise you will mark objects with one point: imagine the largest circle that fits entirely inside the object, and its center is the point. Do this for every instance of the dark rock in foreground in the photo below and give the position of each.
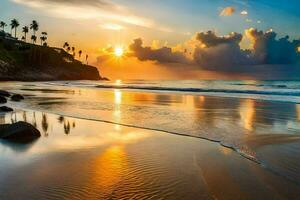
(4, 93)
(5, 109)
(16, 97)
(19, 132)
(2, 99)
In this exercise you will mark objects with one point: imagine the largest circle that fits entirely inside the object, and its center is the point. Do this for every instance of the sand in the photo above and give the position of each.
(83, 159)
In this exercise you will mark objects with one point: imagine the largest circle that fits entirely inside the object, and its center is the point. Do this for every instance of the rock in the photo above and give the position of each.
(16, 97)
(5, 109)
(2, 99)
(4, 93)
(19, 132)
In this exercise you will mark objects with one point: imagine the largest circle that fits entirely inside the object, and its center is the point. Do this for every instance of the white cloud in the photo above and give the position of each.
(244, 12)
(98, 10)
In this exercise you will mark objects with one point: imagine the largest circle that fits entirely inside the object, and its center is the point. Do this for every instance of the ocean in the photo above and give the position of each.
(258, 119)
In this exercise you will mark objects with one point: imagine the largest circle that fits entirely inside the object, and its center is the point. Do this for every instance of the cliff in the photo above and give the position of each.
(20, 61)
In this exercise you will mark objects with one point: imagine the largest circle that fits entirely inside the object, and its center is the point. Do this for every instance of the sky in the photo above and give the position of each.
(174, 41)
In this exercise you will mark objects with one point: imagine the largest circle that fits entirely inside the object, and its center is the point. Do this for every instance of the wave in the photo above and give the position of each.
(202, 90)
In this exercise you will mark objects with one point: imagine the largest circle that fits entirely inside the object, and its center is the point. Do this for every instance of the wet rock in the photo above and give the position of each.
(2, 99)
(4, 93)
(16, 97)
(5, 109)
(19, 132)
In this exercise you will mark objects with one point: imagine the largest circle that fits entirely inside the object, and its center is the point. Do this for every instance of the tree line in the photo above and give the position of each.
(34, 26)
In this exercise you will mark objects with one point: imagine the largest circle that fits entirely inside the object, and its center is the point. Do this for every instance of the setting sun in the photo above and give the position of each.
(119, 51)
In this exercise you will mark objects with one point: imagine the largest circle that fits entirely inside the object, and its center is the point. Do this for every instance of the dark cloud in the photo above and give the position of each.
(161, 55)
(269, 50)
(210, 39)
(223, 53)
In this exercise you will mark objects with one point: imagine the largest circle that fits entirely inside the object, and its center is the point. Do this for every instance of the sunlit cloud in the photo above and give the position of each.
(228, 11)
(209, 51)
(98, 10)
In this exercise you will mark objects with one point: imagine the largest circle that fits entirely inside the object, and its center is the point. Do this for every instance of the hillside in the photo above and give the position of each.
(20, 61)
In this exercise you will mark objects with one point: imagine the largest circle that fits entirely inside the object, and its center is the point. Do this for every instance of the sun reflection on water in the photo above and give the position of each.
(108, 168)
(247, 113)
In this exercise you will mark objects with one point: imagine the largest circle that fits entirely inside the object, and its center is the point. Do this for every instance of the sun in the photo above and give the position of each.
(119, 51)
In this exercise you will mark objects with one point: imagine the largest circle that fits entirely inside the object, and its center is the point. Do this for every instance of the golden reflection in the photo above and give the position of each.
(247, 113)
(298, 111)
(117, 109)
(225, 150)
(118, 97)
(109, 168)
(202, 98)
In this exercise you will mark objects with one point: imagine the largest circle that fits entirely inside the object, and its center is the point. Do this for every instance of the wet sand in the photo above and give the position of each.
(82, 159)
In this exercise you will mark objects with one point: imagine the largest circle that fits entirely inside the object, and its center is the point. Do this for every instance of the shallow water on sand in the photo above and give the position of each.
(83, 159)
(264, 131)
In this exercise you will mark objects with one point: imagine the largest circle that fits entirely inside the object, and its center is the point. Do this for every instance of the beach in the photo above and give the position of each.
(112, 143)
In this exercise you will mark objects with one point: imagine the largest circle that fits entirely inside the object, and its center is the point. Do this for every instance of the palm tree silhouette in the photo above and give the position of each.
(79, 53)
(66, 44)
(34, 26)
(86, 59)
(2, 25)
(43, 38)
(14, 25)
(68, 49)
(25, 31)
(33, 39)
(73, 50)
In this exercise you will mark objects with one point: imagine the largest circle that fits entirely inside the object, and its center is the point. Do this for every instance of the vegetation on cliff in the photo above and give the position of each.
(23, 61)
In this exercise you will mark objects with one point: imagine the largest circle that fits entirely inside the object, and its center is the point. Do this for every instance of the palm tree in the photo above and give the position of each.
(25, 31)
(43, 37)
(79, 53)
(34, 26)
(33, 39)
(14, 25)
(66, 44)
(2, 25)
(68, 49)
(86, 59)
(73, 50)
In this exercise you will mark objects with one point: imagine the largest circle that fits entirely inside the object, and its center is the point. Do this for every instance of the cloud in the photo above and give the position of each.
(210, 39)
(269, 50)
(244, 12)
(228, 11)
(160, 55)
(221, 53)
(98, 10)
(208, 51)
